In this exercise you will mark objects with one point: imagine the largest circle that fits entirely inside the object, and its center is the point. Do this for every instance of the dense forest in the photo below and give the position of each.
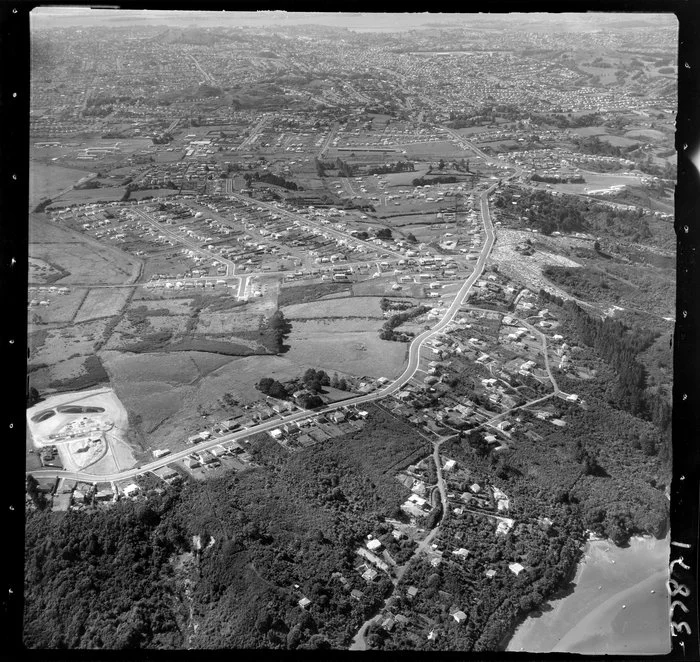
(107, 578)
(619, 346)
(102, 579)
(568, 213)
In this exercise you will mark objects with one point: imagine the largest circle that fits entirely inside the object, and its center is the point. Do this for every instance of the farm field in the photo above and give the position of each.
(226, 321)
(163, 391)
(54, 344)
(87, 262)
(59, 371)
(103, 302)
(174, 306)
(301, 293)
(61, 309)
(42, 272)
(651, 134)
(342, 325)
(431, 150)
(590, 131)
(356, 353)
(47, 181)
(154, 193)
(472, 130)
(405, 178)
(90, 195)
(175, 323)
(596, 182)
(156, 388)
(619, 141)
(379, 287)
(348, 307)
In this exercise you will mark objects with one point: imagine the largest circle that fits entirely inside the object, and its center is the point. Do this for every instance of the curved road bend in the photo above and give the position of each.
(393, 387)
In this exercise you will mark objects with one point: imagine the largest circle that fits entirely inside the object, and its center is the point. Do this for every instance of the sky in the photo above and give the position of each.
(47, 16)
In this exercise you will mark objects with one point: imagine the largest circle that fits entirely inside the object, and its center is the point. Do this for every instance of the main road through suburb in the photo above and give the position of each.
(389, 389)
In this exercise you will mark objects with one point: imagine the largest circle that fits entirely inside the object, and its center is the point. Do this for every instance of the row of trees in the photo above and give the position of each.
(399, 166)
(439, 179)
(281, 328)
(270, 178)
(388, 329)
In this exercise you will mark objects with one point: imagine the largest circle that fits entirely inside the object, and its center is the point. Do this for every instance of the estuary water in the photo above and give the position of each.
(619, 605)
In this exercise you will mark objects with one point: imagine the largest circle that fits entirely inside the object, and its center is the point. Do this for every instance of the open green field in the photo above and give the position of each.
(157, 388)
(383, 287)
(85, 260)
(49, 346)
(354, 353)
(405, 178)
(87, 263)
(87, 196)
(47, 181)
(42, 272)
(472, 130)
(434, 150)
(302, 293)
(163, 391)
(619, 141)
(175, 306)
(348, 307)
(651, 134)
(596, 181)
(311, 327)
(61, 309)
(153, 193)
(228, 321)
(103, 302)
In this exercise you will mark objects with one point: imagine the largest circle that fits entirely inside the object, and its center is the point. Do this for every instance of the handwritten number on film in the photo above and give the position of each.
(676, 589)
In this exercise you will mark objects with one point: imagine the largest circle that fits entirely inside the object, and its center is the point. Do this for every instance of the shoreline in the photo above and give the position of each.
(587, 626)
(529, 633)
(572, 576)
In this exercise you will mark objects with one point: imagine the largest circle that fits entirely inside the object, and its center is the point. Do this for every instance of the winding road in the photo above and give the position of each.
(389, 389)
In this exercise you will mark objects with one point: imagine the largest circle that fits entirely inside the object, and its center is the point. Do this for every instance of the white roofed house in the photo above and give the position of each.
(131, 490)
(459, 616)
(373, 545)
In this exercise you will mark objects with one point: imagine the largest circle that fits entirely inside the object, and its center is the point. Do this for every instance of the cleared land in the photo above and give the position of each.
(46, 418)
(329, 326)
(47, 181)
(85, 196)
(101, 302)
(163, 391)
(351, 353)
(349, 307)
(48, 346)
(86, 261)
(227, 322)
(62, 308)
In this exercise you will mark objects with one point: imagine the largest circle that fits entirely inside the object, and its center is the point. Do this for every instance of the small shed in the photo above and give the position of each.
(459, 616)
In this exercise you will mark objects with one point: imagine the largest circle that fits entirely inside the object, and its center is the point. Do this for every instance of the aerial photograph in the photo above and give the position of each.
(350, 331)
